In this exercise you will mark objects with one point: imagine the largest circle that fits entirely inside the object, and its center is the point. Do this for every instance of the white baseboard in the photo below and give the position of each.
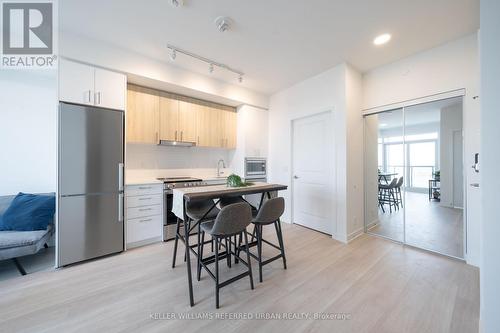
(355, 234)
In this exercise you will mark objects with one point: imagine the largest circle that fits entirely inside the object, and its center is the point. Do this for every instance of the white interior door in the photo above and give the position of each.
(313, 173)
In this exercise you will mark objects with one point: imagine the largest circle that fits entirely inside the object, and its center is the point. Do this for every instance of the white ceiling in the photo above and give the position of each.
(276, 43)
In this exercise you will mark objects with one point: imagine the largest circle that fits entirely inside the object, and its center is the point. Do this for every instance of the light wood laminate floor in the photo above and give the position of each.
(380, 285)
(429, 225)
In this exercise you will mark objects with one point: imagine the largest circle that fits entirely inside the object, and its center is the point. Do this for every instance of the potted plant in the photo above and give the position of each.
(437, 175)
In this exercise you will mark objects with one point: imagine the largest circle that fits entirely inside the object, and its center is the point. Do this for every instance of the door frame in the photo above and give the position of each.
(330, 111)
(403, 105)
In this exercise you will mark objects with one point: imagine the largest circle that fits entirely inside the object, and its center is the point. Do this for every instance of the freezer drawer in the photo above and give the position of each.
(90, 226)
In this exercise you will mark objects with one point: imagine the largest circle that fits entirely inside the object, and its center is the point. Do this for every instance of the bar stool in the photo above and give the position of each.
(197, 213)
(269, 213)
(232, 220)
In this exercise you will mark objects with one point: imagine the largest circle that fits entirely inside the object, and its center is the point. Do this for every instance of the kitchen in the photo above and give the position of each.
(171, 141)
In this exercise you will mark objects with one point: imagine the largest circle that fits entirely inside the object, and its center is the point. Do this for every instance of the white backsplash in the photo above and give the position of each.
(145, 161)
(145, 156)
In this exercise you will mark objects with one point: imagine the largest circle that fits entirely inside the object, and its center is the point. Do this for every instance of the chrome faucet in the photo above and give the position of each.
(218, 167)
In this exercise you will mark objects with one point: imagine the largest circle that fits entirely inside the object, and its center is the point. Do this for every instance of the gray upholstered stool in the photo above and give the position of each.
(232, 220)
(197, 213)
(269, 213)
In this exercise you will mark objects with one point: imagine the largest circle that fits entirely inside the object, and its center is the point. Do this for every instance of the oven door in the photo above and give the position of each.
(255, 168)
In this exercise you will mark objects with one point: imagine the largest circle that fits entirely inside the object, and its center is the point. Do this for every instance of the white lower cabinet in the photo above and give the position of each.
(144, 214)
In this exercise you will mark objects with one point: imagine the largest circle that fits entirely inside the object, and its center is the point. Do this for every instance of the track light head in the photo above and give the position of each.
(173, 54)
(240, 79)
(211, 68)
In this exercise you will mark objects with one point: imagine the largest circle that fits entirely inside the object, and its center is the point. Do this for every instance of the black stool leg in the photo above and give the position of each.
(177, 230)
(228, 251)
(19, 266)
(186, 232)
(277, 226)
(216, 273)
(259, 248)
(247, 248)
(236, 249)
(200, 254)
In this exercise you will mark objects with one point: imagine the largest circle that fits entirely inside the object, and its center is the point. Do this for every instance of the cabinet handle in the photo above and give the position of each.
(89, 94)
(145, 220)
(175, 136)
(99, 95)
(157, 138)
(148, 198)
(198, 140)
(181, 134)
(144, 209)
(144, 187)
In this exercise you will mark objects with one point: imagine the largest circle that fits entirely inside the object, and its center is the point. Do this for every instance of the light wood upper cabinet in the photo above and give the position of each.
(187, 121)
(169, 117)
(209, 127)
(142, 115)
(229, 124)
(154, 115)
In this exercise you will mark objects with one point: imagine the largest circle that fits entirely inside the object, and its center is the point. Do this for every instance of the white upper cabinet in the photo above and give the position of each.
(110, 89)
(76, 82)
(85, 84)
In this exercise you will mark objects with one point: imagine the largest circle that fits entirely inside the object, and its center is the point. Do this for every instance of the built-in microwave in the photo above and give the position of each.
(255, 167)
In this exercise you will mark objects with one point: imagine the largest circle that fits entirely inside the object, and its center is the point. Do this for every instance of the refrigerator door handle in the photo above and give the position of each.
(120, 176)
(120, 207)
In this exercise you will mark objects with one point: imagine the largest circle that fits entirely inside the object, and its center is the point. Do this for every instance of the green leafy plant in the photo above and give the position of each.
(235, 181)
(437, 175)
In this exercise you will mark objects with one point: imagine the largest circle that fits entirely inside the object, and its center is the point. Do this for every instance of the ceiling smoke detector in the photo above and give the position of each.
(223, 23)
(177, 3)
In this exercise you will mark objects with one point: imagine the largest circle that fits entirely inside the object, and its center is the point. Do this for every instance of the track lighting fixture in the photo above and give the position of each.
(211, 64)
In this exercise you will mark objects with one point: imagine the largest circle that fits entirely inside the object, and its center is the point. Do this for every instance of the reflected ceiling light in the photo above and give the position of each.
(382, 39)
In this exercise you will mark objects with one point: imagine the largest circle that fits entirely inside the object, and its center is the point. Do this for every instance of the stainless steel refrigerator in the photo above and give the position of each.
(90, 175)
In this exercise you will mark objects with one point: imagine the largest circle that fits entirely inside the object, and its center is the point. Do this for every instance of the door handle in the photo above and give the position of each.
(474, 185)
(120, 207)
(295, 177)
(120, 176)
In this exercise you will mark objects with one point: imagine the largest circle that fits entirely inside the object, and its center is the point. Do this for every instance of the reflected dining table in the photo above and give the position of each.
(182, 196)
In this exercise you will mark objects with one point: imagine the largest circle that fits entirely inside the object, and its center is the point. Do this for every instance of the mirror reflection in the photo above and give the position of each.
(414, 176)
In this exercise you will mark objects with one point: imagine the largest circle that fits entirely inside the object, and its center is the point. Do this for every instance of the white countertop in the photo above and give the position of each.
(139, 177)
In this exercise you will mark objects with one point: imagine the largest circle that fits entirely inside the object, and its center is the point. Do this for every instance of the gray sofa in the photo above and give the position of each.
(14, 244)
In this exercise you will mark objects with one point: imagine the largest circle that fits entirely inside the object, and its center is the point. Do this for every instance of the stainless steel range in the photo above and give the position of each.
(169, 184)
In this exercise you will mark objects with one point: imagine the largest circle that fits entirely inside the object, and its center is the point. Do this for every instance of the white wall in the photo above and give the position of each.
(448, 67)
(134, 64)
(28, 128)
(338, 90)
(252, 140)
(490, 160)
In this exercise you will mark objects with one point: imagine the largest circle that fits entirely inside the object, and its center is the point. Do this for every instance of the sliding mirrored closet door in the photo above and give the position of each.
(384, 174)
(414, 176)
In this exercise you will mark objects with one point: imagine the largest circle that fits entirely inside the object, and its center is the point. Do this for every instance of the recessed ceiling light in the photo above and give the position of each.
(382, 39)
(177, 3)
